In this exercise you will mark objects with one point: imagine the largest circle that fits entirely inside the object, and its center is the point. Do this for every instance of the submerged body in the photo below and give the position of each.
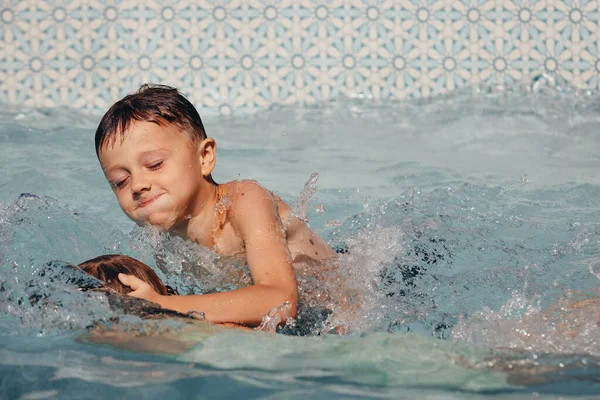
(160, 331)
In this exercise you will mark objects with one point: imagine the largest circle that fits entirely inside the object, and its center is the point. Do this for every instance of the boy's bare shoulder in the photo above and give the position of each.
(239, 186)
(239, 189)
(247, 195)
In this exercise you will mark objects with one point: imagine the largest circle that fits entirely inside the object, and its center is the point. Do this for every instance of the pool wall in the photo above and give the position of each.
(245, 55)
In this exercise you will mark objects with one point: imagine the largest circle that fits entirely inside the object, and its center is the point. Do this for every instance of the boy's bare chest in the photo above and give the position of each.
(227, 242)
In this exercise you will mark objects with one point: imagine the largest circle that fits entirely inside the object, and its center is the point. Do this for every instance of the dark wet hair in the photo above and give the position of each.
(107, 268)
(62, 273)
(160, 104)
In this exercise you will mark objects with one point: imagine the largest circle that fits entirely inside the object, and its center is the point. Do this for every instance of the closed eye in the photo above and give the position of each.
(119, 184)
(155, 165)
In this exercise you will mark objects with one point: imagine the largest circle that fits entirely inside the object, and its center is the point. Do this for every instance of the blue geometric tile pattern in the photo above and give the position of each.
(244, 55)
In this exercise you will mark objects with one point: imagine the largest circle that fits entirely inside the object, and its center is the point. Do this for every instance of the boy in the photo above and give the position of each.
(158, 159)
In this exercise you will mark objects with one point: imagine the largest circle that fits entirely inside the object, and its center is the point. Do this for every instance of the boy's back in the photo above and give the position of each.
(302, 242)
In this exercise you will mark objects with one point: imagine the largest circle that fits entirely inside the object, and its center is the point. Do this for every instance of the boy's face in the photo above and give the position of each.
(156, 173)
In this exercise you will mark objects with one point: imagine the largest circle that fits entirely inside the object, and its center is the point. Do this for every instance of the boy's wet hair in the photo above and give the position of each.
(108, 267)
(160, 104)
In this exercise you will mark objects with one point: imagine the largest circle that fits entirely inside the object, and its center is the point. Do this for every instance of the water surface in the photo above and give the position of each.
(462, 218)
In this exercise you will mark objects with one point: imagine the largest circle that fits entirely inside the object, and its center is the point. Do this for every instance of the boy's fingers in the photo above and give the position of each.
(140, 289)
(132, 281)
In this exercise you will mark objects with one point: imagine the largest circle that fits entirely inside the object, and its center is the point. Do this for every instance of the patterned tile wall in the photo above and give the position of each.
(243, 55)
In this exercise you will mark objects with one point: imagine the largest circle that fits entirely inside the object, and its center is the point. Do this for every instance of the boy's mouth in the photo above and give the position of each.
(146, 202)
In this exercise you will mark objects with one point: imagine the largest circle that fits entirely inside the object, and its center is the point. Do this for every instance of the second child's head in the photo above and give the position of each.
(108, 267)
(156, 156)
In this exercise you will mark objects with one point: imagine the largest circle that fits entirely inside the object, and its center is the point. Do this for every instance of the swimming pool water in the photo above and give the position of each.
(461, 219)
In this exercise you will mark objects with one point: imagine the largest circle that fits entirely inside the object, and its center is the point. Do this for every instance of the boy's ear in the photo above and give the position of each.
(207, 154)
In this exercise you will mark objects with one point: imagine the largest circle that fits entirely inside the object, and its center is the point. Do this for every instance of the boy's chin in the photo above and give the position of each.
(156, 223)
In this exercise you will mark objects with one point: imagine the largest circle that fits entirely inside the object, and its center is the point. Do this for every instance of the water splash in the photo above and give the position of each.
(569, 326)
(300, 208)
(49, 300)
(272, 319)
(368, 252)
(186, 266)
(42, 296)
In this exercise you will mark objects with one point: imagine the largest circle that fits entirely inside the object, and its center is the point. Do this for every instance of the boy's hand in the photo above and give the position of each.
(141, 289)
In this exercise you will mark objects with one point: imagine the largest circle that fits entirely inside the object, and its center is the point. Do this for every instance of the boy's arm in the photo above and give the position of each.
(254, 215)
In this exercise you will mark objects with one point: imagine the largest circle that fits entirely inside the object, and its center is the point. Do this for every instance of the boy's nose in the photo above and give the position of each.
(139, 184)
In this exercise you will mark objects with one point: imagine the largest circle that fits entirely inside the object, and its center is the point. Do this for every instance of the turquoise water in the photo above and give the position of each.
(462, 218)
